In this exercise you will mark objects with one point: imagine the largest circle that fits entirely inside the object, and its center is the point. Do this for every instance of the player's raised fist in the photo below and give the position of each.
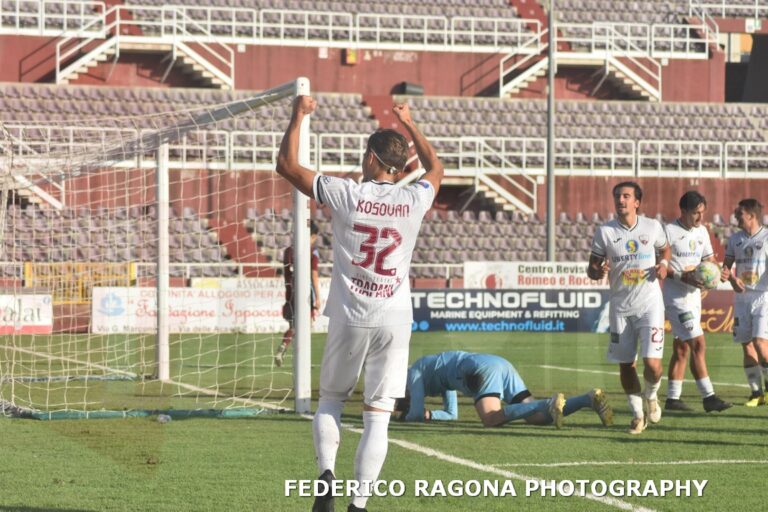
(402, 112)
(304, 105)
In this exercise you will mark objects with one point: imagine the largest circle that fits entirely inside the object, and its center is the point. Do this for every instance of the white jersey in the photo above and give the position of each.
(631, 255)
(689, 248)
(750, 254)
(375, 226)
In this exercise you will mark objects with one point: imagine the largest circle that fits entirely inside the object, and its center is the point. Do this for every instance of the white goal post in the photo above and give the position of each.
(70, 370)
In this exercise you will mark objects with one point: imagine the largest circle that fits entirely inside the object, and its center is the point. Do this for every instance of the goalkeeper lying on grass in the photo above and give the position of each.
(499, 392)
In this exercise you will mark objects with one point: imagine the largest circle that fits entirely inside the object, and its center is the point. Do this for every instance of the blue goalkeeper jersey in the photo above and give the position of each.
(475, 375)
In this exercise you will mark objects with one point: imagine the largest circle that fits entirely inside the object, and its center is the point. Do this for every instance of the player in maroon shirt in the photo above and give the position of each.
(288, 306)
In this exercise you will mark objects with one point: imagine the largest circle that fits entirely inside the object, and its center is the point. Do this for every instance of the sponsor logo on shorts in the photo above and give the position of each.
(614, 337)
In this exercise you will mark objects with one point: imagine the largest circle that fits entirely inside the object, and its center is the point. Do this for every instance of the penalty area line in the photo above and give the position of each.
(605, 372)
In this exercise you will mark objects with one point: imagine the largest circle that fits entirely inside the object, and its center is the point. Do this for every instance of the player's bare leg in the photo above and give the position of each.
(676, 372)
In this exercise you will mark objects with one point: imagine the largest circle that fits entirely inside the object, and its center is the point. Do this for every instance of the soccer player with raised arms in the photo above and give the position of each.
(748, 250)
(499, 392)
(633, 250)
(690, 245)
(375, 225)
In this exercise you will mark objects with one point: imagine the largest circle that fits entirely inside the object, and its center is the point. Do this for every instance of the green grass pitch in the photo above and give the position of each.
(242, 464)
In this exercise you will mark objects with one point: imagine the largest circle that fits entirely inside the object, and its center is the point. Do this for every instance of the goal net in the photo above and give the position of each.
(134, 277)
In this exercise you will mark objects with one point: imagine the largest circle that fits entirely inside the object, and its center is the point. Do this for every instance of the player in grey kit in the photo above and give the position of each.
(633, 250)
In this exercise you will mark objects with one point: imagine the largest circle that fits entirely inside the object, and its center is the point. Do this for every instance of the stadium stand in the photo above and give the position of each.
(117, 235)
(49, 104)
(449, 8)
(588, 119)
(656, 11)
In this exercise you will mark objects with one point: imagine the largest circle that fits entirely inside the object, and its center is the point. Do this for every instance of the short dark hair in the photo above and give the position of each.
(692, 200)
(632, 185)
(313, 228)
(390, 148)
(753, 207)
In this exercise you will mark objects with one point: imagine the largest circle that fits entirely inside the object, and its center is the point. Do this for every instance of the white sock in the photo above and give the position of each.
(705, 387)
(651, 390)
(675, 389)
(326, 430)
(636, 404)
(753, 378)
(764, 369)
(371, 453)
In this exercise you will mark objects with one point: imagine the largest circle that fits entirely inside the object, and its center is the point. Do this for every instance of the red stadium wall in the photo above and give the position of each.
(695, 80)
(660, 195)
(376, 72)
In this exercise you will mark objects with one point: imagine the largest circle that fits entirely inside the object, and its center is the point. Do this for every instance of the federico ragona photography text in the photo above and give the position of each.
(497, 488)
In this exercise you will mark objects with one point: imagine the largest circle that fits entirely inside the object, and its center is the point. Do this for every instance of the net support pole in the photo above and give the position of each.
(552, 69)
(302, 360)
(163, 264)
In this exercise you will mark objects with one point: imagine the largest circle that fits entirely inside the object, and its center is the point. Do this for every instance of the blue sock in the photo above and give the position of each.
(524, 410)
(573, 404)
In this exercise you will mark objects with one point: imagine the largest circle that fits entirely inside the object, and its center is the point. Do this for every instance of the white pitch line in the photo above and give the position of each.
(429, 452)
(604, 372)
(631, 463)
(50, 357)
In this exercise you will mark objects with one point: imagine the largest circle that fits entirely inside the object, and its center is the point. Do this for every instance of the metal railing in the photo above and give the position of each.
(516, 63)
(729, 9)
(227, 25)
(42, 149)
(217, 58)
(675, 157)
(670, 40)
(49, 17)
(711, 28)
(283, 25)
(746, 159)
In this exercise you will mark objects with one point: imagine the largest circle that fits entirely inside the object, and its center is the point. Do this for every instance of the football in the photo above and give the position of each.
(708, 274)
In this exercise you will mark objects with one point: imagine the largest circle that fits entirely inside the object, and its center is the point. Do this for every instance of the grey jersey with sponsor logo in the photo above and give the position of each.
(750, 254)
(631, 254)
(690, 246)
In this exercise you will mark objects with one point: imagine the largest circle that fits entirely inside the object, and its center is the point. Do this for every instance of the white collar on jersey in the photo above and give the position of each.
(628, 228)
(382, 182)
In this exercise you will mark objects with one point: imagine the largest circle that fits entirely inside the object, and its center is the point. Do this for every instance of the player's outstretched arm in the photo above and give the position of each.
(424, 149)
(288, 165)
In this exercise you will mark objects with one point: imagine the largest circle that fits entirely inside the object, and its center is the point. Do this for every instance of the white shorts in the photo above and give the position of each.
(648, 327)
(685, 319)
(750, 320)
(382, 351)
